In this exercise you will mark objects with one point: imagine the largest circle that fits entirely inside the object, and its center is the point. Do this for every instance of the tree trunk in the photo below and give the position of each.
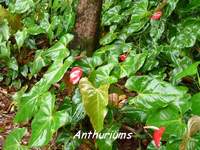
(87, 24)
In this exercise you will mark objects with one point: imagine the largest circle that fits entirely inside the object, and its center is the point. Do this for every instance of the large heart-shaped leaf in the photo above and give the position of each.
(153, 93)
(95, 101)
(46, 122)
(169, 118)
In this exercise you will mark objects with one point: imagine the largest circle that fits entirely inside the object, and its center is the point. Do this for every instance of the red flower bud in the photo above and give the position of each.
(157, 136)
(75, 75)
(156, 15)
(122, 57)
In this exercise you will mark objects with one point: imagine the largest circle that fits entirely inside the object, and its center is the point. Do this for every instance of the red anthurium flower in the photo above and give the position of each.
(122, 57)
(157, 136)
(75, 75)
(156, 15)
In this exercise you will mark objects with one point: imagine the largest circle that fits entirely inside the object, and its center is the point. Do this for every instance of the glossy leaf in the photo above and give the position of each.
(22, 6)
(189, 71)
(46, 122)
(29, 102)
(132, 64)
(138, 19)
(102, 75)
(153, 93)
(169, 118)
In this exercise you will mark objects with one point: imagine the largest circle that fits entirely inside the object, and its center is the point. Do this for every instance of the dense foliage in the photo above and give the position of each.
(148, 61)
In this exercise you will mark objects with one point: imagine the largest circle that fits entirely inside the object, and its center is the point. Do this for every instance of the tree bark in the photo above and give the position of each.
(87, 24)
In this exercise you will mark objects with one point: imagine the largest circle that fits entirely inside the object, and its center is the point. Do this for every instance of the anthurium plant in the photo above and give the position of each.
(143, 76)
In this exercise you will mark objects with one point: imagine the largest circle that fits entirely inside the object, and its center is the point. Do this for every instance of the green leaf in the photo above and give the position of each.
(21, 37)
(138, 19)
(108, 38)
(107, 143)
(188, 30)
(132, 114)
(46, 122)
(39, 62)
(157, 29)
(102, 75)
(132, 64)
(151, 146)
(59, 50)
(4, 31)
(78, 112)
(169, 118)
(30, 101)
(112, 16)
(4, 51)
(22, 6)
(153, 93)
(95, 101)
(195, 100)
(189, 71)
(171, 5)
(13, 140)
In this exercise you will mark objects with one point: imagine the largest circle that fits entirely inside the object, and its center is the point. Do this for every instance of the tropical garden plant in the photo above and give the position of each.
(143, 74)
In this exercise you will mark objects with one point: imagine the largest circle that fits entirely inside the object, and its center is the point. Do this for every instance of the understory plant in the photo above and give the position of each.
(144, 72)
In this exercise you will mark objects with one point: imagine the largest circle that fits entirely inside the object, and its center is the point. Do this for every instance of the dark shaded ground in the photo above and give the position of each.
(6, 114)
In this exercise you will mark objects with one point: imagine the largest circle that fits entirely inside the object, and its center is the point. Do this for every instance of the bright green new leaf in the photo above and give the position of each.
(13, 140)
(95, 101)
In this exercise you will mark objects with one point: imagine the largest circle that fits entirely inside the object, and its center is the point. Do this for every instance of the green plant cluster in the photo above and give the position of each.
(160, 71)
